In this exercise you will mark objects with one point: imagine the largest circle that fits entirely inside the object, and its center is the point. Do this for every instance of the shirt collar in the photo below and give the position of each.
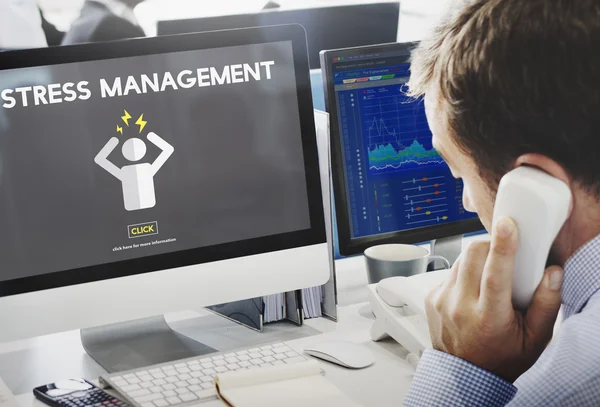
(120, 9)
(582, 277)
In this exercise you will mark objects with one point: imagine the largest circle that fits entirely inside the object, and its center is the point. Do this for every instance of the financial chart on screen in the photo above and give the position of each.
(395, 179)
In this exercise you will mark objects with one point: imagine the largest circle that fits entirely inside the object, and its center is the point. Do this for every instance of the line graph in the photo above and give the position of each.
(398, 136)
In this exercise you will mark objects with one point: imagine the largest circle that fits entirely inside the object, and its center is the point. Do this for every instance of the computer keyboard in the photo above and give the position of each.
(191, 381)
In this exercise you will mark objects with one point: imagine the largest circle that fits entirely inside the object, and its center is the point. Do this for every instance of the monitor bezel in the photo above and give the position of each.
(170, 44)
(347, 245)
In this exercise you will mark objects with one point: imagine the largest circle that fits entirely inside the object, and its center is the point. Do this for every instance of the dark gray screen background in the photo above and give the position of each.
(237, 171)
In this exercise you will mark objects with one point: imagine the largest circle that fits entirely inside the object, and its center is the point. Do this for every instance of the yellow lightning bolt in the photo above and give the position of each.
(141, 122)
(120, 130)
(126, 117)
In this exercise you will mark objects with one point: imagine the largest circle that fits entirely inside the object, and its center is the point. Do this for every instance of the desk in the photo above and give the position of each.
(58, 356)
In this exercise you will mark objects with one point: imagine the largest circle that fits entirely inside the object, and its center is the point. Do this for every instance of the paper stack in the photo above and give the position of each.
(274, 308)
(312, 298)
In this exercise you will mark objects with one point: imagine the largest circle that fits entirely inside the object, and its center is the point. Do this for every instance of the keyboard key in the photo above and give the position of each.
(244, 357)
(174, 400)
(159, 382)
(220, 362)
(207, 393)
(197, 374)
(185, 376)
(161, 403)
(221, 369)
(159, 375)
(167, 368)
(257, 362)
(280, 350)
(194, 388)
(169, 386)
(218, 357)
(233, 366)
(183, 370)
(169, 393)
(157, 389)
(120, 383)
(149, 397)
(231, 360)
(130, 387)
(194, 381)
(193, 362)
(188, 397)
(255, 355)
(269, 359)
(205, 360)
(208, 379)
(172, 379)
(134, 380)
(182, 391)
(141, 373)
(266, 347)
(129, 376)
(181, 384)
(245, 364)
(138, 393)
(207, 385)
(171, 373)
(280, 356)
(147, 385)
(178, 365)
(195, 368)
(267, 353)
(208, 365)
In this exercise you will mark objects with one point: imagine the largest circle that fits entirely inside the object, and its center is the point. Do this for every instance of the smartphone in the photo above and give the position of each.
(76, 393)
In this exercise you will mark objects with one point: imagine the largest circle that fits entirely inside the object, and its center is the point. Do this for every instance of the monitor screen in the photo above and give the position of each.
(123, 158)
(394, 178)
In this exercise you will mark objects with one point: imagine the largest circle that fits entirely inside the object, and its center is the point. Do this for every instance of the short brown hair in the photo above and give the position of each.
(516, 77)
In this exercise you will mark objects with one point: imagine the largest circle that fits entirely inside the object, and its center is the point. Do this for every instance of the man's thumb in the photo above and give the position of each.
(542, 312)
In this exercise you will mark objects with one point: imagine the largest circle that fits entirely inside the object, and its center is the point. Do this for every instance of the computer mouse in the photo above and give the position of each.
(342, 353)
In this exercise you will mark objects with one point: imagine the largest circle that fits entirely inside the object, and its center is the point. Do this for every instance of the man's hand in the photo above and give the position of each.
(471, 314)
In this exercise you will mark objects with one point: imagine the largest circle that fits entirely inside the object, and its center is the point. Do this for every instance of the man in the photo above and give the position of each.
(20, 25)
(509, 83)
(104, 20)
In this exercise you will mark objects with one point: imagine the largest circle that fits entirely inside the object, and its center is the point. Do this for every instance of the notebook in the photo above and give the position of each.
(297, 385)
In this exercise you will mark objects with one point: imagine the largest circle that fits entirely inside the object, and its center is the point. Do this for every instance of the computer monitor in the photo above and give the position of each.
(390, 185)
(326, 27)
(154, 175)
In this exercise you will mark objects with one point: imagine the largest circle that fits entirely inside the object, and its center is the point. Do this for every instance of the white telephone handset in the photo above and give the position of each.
(539, 204)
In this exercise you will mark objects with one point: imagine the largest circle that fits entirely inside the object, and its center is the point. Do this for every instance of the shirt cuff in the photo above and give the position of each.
(445, 380)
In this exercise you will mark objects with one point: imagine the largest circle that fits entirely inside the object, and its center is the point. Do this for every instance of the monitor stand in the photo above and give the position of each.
(447, 247)
(135, 344)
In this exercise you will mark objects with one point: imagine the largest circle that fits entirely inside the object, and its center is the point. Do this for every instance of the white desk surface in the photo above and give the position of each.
(383, 384)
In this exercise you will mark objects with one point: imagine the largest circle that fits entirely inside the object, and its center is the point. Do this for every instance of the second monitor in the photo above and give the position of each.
(390, 184)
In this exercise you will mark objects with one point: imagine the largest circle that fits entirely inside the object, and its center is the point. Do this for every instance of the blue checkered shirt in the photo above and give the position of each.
(566, 374)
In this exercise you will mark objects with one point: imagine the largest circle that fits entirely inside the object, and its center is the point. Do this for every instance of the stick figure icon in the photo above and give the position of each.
(137, 180)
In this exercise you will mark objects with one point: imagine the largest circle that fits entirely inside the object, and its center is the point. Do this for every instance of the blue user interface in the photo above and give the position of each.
(395, 180)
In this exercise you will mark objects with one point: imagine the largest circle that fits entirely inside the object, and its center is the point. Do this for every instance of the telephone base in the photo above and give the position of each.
(405, 320)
